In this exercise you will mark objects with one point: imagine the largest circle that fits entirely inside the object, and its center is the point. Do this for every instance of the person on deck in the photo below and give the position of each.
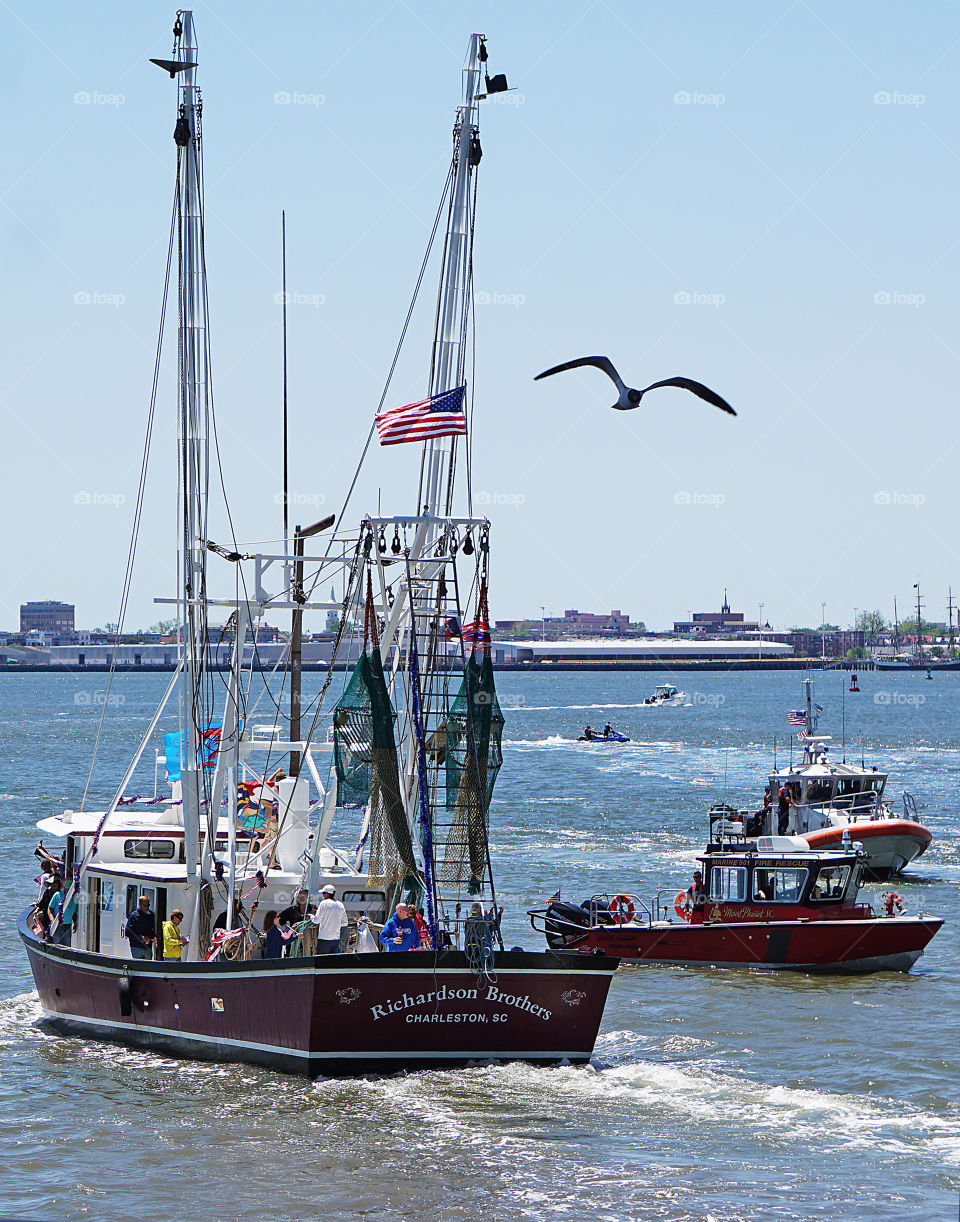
(588, 734)
(61, 932)
(173, 939)
(46, 858)
(422, 927)
(296, 912)
(51, 885)
(478, 936)
(141, 930)
(276, 937)
(331, 921)
(400, 932)
(607, 730)
(697, 893)
(784, 802)
(47, 872)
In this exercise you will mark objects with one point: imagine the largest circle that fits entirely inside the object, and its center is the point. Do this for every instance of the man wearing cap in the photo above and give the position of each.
(330, 920)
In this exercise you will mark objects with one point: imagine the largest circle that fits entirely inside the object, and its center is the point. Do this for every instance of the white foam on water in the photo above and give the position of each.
(786, 1115)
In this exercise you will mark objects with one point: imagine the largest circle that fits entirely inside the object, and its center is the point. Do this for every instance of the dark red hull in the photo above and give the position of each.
(338, 1014)
(845, 945)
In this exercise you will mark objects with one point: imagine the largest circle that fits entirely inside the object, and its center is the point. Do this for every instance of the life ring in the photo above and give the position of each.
(622, 909)
(680, 906)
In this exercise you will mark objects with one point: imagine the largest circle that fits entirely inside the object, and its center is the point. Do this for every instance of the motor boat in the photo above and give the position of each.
(822, 799)
(770, 903)
(666, 693)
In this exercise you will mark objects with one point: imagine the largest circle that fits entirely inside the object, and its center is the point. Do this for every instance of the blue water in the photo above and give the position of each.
(736, 1096)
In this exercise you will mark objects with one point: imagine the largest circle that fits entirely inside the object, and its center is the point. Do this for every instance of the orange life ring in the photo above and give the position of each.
(679, 906)
(622, 909)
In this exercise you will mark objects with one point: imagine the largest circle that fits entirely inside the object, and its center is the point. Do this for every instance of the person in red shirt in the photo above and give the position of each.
(422, 927)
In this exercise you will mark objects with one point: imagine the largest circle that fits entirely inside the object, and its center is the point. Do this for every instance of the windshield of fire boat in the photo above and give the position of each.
(831, 883)
(728, 883)
(779, 884)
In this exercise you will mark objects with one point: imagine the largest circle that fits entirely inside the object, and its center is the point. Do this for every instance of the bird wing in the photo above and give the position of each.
(697, 388)
(598, 362)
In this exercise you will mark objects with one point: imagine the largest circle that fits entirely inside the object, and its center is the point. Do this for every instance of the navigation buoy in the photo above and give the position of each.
(854, 685)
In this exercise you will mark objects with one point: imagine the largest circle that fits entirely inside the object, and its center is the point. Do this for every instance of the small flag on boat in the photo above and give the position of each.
(217, 940)
(439, 416)
(555, 898)
(802, 735)
(796, 718)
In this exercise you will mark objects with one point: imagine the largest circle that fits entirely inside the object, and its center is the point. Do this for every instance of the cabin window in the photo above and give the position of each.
(363, 899)
(831, 883)
(783, 885)
(818, 791)
(728, 883)
(149, 848)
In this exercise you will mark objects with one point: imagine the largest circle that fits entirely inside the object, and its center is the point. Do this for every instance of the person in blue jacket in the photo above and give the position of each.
(400, 932)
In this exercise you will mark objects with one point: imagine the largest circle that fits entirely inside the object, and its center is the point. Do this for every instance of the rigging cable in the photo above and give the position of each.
(141, 490)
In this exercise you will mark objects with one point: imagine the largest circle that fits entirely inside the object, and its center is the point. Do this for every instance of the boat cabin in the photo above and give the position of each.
(817, 787)
(779, 871)
(146, 856)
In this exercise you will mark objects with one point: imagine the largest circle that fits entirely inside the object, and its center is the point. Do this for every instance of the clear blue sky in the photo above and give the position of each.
(814, 166)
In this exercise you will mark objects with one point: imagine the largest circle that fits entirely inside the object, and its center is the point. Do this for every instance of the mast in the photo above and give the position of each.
(437, 477)
(193, 437)
(448, 751)
(916, 586)
(808, 691)
(283, 278)
(950, 617)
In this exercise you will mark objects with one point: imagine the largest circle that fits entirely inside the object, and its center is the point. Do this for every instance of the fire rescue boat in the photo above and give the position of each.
(769, 903)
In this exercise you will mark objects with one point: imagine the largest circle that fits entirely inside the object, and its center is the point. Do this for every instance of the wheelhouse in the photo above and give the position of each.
(779, 872)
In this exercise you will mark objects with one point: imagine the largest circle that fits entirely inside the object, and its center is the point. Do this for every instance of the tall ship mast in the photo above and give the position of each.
(219, 918)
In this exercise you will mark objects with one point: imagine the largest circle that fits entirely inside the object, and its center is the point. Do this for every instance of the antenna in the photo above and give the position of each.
(843, 718)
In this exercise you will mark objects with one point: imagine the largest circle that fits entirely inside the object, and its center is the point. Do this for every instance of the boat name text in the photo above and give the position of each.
(491, 994)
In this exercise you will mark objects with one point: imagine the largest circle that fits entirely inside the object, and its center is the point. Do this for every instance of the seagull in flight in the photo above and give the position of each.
(630, 398)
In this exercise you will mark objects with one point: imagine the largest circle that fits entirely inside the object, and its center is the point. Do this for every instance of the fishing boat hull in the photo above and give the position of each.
(334, 1015)
(842, 946)
(889, 844)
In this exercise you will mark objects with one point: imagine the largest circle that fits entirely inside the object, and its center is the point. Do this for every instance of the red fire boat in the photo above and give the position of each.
(772, 903)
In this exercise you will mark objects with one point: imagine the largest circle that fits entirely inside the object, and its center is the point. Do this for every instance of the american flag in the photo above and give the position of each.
(439, 416)
(217, 940)
(555, 898)
(802, 735)
(476, 633)
(796, 718)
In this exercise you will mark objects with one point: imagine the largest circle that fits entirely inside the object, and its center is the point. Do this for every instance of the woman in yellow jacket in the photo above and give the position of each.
(173, 941)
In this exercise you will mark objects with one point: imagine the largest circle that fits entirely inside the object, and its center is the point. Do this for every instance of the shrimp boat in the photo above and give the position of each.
(828, 799)
(775, 903)
(248, 822)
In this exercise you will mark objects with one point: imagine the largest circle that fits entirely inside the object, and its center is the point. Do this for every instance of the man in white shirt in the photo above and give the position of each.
(330, 919)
